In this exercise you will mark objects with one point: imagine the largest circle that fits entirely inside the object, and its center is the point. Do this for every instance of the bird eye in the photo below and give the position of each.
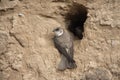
(57, 29)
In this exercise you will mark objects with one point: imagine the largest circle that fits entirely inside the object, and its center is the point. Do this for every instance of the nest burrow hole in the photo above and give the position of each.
(75, 19)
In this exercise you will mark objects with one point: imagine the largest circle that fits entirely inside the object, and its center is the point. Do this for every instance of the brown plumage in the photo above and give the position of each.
(64, 44)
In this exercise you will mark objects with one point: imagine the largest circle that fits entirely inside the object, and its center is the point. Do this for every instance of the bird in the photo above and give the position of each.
(63, 42)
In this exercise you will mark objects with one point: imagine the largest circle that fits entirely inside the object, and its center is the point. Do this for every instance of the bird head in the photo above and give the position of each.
(58, 31)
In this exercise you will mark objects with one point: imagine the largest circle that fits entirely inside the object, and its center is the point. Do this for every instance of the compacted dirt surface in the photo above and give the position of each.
(27, 51)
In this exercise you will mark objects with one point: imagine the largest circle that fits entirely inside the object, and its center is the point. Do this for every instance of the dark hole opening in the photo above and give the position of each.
(75, 19)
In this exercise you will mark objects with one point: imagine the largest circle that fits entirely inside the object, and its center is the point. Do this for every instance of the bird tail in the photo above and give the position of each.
(71, 65)
(62, 65)
(65, 63)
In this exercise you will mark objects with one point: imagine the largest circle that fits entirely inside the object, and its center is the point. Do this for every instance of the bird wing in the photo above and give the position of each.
(63, 50)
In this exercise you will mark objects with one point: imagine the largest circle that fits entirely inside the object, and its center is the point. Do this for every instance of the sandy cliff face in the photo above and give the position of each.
(28, 53)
